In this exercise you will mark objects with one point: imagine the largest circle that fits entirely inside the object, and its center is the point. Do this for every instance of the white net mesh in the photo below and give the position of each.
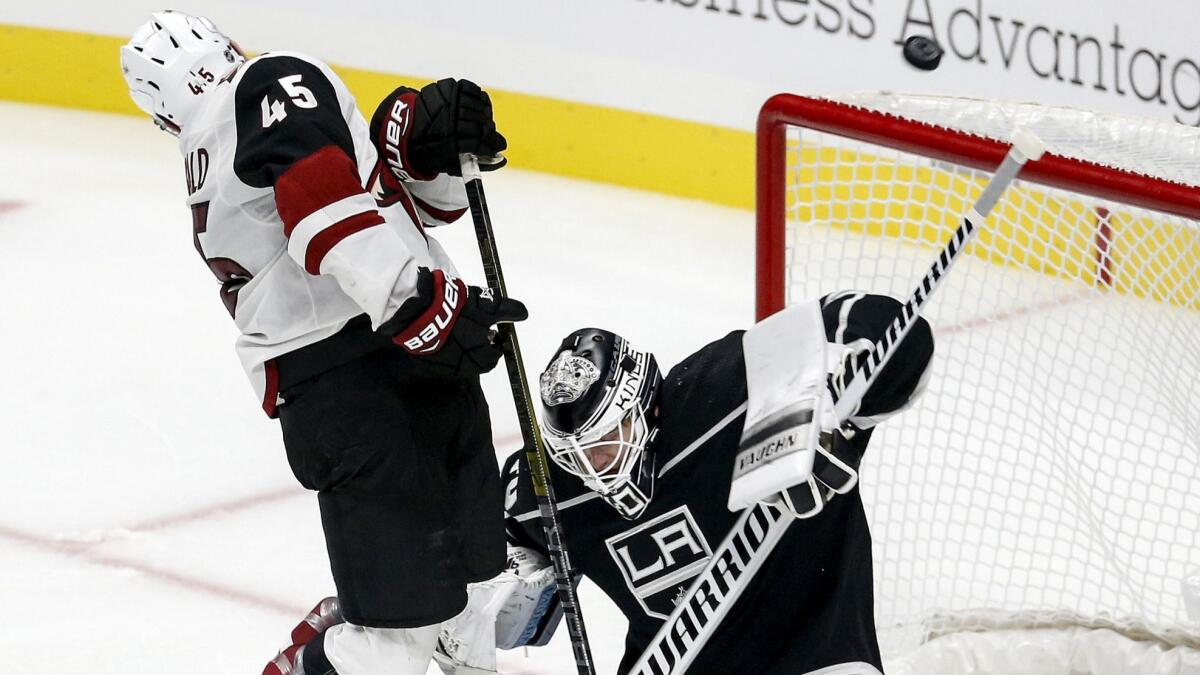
(1148, 147)
(1050, 475)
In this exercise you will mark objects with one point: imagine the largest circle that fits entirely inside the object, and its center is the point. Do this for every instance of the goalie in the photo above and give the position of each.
(642, 472)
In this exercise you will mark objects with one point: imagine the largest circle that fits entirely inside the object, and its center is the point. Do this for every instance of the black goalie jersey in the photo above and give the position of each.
(810, 605)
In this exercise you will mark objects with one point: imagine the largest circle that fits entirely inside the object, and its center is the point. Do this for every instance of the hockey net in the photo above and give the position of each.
(1048, 481)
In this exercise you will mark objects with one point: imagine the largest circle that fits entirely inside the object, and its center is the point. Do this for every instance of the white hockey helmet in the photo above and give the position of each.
(171, 61)
(598, 403)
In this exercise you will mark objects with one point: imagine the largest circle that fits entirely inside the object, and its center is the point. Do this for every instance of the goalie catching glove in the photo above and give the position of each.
(449, 324)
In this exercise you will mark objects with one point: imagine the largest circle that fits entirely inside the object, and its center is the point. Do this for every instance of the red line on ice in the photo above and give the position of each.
(1010, 314)
(83, 551)
(220, 509)
(249, 502)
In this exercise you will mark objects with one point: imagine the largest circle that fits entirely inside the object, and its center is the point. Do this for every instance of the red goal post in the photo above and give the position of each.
(1049, 478)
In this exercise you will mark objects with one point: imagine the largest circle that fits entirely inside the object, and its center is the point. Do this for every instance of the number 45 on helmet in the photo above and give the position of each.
(172, 61)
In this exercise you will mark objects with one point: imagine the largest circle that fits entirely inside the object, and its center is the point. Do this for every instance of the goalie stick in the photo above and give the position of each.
(535, 449)
(760, 527)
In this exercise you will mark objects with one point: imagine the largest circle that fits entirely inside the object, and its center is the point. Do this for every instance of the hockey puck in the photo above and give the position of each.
(922, 52)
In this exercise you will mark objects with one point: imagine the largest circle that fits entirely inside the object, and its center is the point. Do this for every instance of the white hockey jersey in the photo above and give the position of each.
(282, 178)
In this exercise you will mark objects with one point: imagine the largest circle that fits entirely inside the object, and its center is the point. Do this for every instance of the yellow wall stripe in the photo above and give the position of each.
(685, 159)
(648, 152)
(54, 67)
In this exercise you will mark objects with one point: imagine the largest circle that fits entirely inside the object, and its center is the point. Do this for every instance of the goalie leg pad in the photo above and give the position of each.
(518, 607)
(531, 614)
(532, 611)
(467, 642)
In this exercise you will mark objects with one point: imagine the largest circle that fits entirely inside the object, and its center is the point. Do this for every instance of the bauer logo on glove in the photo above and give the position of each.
(450, 325)
(425, 335)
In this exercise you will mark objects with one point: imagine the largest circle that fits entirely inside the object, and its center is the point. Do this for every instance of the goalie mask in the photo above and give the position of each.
(172, 61)
(598, 401)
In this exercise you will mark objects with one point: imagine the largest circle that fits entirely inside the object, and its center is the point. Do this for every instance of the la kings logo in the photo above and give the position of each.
(659, 558)
(717, 588)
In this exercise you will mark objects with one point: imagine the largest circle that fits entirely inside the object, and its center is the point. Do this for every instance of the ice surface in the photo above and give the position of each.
(149, 521)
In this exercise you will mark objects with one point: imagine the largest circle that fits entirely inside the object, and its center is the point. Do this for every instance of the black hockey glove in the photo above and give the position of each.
(835, 471)
(840, 452)
(391, 130)
(449, 324)
(452, 117)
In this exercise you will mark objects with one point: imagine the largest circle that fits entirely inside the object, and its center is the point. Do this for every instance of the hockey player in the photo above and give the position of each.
(642, 470)
(355, 331)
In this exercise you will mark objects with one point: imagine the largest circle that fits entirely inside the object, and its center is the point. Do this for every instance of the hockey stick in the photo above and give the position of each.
(535, 450)
(1025, 147)
(759, 529)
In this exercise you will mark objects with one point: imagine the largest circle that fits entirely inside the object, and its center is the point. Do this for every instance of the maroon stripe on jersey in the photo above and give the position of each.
(401, 195)
(329, 237)
(444, 216)
(325, 177)
(375, 186)
(271, 395)
(410, 208)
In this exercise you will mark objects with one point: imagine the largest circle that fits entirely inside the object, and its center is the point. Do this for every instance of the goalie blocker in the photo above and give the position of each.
(642, 466)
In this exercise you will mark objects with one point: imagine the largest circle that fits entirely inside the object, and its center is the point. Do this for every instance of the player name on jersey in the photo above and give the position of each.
(714, 592)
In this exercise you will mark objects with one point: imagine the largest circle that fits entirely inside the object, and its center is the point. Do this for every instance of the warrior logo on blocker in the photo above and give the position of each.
(659, 558)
